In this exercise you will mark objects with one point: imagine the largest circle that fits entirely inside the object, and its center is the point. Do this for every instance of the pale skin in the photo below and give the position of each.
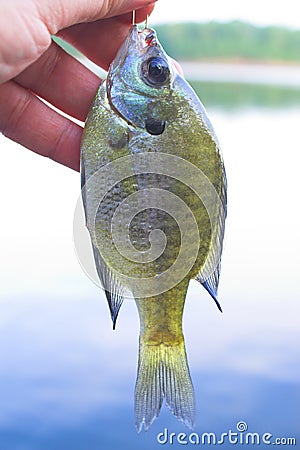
(33, 66)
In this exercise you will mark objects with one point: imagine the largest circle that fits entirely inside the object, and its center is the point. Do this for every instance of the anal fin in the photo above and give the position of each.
(211, 285)
(112, 287)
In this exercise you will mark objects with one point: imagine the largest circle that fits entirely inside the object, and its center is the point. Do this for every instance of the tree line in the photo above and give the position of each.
(229, 41)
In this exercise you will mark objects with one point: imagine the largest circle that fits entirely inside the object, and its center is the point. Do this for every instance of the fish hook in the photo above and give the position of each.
(133, 19)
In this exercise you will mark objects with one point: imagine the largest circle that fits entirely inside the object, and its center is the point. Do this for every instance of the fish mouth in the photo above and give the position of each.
(136, 41)
(142, 39)
(149, 38)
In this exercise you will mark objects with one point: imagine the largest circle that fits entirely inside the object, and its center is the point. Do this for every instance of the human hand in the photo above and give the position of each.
(32, 66)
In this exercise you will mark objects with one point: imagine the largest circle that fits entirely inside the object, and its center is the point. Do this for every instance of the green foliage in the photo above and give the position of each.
(232, 41)
(223, 41)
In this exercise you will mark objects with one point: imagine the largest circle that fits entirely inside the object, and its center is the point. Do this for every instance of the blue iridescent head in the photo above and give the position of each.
(139, 82)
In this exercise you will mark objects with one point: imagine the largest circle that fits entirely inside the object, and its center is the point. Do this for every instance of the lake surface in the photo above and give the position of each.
(67, 380)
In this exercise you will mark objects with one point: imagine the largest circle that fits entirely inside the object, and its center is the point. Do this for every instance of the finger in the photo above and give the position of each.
(99, 41)
(34, 21)
(64, 82)
(58, 14)
(27, 120)
(61, 80)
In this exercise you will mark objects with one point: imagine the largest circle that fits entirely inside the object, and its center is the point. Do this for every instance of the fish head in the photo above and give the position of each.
(139, 82)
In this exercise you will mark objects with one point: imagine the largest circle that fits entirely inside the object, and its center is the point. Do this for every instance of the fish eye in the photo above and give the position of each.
(156, 71)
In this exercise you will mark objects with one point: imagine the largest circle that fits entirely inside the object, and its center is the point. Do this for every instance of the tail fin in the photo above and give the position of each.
(163, 372)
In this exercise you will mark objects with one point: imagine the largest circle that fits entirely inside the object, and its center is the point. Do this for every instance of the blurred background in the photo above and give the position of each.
(66, 379)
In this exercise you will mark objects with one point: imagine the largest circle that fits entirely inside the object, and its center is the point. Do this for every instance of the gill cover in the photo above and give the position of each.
(139, 82)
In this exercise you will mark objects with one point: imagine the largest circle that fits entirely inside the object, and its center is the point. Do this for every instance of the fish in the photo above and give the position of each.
(154, 192)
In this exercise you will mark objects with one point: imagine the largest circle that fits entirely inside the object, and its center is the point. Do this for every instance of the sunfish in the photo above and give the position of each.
(154, 194)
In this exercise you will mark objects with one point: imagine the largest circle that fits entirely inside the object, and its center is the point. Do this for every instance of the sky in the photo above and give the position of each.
(261, 12)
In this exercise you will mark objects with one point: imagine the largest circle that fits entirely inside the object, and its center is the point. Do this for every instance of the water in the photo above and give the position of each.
(248, 73)
(67, 380)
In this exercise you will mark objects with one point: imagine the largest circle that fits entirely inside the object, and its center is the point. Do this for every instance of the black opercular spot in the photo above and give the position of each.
(154, 126)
